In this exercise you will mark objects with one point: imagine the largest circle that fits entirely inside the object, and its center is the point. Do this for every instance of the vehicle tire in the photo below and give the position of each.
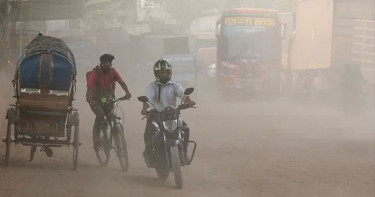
(8, 142)
(121, 147)
(101, 147)
(75, 146)
(163, 173)
(32, 152)
(177, 172)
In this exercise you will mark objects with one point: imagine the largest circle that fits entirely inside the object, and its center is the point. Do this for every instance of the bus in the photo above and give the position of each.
(248, 51)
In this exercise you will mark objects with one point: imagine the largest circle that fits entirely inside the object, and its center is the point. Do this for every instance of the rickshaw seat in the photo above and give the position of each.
(44, 100)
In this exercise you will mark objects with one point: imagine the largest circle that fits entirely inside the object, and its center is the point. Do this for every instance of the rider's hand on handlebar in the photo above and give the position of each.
(127, 96)
(144, 112)
(190, 103)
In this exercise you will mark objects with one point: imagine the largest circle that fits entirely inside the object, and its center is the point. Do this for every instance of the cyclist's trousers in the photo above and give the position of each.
(99, 112)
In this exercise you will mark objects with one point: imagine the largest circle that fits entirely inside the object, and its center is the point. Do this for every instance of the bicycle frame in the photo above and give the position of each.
(111, 119)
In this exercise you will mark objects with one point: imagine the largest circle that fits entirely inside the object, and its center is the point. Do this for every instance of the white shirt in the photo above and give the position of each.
(168, 94)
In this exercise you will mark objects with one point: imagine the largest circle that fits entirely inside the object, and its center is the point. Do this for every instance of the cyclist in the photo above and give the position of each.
(101, 83)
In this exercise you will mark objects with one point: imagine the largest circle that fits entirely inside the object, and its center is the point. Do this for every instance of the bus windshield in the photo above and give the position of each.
(250, 38)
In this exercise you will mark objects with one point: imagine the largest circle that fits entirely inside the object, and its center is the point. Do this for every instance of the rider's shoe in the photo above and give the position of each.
(48, 151)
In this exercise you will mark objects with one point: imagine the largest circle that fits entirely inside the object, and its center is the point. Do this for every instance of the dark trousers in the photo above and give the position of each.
(150, 130)
(100, 111)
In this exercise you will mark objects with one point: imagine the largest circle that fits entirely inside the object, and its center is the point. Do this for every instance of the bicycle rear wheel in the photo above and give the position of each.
(101, 146)
(121, 147)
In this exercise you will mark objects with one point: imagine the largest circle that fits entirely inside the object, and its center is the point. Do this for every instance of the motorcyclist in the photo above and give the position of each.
(163, 93)
(101, 84)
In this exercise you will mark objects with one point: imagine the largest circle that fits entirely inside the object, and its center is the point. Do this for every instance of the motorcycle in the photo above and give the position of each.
(168, 149)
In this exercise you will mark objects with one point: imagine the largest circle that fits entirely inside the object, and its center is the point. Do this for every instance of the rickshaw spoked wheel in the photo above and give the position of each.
(10, 116)
(76, 140)
(32, 151)
(8, 142)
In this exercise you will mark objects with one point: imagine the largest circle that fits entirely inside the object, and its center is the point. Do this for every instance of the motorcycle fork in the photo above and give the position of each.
(176, 140)
(166, 151)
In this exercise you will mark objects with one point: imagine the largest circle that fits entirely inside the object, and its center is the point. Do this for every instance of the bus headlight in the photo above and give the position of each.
(228, 65)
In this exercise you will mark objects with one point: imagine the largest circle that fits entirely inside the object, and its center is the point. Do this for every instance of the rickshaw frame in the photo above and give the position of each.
(41, 110)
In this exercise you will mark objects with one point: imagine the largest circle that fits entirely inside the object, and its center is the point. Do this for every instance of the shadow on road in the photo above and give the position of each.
(148, 181)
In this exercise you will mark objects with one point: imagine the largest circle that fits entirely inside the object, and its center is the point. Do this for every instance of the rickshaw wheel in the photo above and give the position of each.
(8, 141)
(10, 116)
(32, 151)
(75, 142)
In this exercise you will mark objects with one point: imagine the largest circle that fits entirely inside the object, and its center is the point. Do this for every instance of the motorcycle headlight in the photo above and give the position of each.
(170, 125)
(156, 126)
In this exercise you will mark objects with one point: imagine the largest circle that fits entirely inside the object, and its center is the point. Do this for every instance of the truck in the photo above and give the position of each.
(177, 51)
(325, 39)
(248, 51)
(84, 52)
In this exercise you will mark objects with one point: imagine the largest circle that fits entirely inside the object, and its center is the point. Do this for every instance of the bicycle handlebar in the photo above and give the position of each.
(110, 101)
(121, 99)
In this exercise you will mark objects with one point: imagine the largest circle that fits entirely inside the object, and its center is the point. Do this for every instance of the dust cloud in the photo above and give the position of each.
(311, 134)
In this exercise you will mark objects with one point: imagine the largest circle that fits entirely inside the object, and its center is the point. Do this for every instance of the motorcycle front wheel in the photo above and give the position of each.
(177, 172)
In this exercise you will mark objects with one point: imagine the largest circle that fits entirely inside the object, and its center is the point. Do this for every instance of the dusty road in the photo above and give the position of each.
(266, 148)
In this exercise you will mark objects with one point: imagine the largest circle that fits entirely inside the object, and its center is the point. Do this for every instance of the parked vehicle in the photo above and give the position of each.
(328, 35)
(84, 51)
(177, 52)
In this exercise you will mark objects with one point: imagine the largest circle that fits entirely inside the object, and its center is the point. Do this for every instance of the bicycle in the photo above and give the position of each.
(103, 142)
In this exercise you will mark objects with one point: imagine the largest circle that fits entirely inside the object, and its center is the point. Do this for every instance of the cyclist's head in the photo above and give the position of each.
(162, 71)
(106, 62)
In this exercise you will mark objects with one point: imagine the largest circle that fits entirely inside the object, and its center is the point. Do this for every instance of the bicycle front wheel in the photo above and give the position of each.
(102, 146)
(121, 147)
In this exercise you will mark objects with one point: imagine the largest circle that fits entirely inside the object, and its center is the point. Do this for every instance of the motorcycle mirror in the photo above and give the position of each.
(143, 99)
(188, 91)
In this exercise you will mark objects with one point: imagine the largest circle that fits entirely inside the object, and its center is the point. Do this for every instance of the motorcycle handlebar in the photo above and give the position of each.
(186, 106)
(180, 107)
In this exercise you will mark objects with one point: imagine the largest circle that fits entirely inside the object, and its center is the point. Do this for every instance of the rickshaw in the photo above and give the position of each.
(44, 85)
